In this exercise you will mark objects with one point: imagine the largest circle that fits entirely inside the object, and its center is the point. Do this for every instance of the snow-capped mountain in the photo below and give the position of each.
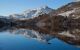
(33, 13)
(34, 35)
(70, 10)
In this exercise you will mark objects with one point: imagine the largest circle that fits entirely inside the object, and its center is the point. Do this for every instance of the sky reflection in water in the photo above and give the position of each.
(19, 42)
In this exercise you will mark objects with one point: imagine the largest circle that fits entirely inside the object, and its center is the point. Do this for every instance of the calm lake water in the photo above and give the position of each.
(19, 42)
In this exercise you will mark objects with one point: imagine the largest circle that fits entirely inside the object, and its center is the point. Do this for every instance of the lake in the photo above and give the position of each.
(10, 41)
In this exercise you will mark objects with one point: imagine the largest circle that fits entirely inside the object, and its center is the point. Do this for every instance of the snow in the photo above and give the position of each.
(34, 35)
(67, 33)
(67, 13)
(33, 13)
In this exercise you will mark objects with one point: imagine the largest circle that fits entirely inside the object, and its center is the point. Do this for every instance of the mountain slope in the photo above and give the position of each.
(70, 10)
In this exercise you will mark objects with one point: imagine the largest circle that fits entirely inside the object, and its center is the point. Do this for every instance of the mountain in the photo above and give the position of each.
(71, 13)
(28, 14)
(66, 29)
(76, 0)
(33, 13)
(34, 35)
(70, 10)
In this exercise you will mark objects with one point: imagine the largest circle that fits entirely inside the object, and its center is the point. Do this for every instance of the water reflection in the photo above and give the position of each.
(45, 28)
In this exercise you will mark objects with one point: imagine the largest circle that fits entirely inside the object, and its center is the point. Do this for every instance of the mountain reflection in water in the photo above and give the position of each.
(44, 28)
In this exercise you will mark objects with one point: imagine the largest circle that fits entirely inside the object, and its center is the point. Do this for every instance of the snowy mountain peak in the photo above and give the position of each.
(33, 12)
(44, 7)
(37, 12)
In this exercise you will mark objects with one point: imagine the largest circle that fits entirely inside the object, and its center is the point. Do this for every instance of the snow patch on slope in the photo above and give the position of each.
(67, 13)
(67, 33)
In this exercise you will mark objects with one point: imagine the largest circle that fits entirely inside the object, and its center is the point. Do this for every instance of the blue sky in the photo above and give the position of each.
(8, 7)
